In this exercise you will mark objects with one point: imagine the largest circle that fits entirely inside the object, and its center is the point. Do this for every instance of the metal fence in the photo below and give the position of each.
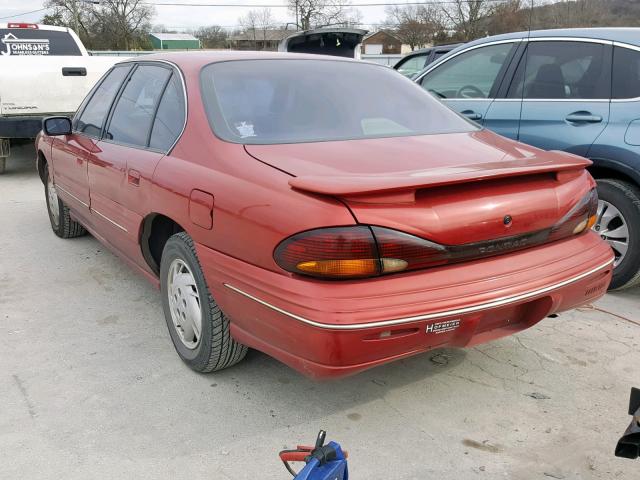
(389, 60)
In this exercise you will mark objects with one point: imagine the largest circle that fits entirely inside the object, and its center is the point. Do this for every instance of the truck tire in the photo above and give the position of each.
(618, 223)
(200, 331)
(3, 164)
(61, 222)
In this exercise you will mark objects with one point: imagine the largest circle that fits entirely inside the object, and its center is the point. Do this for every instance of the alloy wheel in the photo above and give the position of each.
(612, 227)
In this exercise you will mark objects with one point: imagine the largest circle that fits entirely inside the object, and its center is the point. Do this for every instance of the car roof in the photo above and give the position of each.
(195, 59)
(623, 35)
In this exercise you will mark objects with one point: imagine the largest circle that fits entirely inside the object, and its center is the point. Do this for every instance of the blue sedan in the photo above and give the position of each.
(576, 90)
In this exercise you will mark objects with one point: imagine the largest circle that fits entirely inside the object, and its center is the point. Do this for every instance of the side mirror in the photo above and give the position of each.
(629, 445)
(54, 126)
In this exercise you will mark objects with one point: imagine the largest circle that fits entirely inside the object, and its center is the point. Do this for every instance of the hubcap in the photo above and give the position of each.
(612, 227)
(184, 303)
(54, 207)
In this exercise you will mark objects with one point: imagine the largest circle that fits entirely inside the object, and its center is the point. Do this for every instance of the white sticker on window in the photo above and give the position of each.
(245, 129)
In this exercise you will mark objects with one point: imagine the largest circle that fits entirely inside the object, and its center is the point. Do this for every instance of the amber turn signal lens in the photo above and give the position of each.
(340, 268)
(592, 221)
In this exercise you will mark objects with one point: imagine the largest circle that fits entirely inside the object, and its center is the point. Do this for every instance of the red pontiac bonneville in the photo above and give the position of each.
(328, 212)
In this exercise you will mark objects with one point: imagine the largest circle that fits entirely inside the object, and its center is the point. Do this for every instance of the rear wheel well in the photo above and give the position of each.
(604, 172)
(40, 164)
(156, 230)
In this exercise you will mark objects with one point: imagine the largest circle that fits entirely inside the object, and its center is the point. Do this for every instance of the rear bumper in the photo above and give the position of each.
(332, 329)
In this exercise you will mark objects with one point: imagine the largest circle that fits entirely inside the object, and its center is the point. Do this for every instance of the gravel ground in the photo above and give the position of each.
(91, 387)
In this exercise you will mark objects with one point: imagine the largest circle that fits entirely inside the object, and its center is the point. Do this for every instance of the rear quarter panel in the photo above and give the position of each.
(618, 146)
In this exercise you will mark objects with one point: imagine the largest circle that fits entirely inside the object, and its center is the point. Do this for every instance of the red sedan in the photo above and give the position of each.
(325, 211)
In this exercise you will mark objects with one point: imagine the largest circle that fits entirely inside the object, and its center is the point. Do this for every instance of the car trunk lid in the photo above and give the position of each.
(451, 189)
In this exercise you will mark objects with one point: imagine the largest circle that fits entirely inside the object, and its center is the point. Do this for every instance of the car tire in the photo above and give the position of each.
(61, 222)
(187, 301)
(619, 211)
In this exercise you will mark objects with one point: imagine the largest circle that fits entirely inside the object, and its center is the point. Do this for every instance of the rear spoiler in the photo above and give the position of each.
(358, 185)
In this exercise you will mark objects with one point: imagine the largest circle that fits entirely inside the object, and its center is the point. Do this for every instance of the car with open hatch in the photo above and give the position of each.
(335, 226)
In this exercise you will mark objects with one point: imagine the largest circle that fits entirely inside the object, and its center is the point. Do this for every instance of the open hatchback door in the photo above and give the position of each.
(338, 42)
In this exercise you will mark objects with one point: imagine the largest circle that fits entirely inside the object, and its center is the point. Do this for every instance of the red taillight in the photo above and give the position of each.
(579, 219)
(414, 251)
(337, 252)
(356, 252)
(31, 26)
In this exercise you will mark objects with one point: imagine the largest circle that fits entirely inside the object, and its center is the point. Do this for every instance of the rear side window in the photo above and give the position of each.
(96, 109)
(133, 113)
(469, 75)
(170, 117)
(27, 41)
(563, 70)
(626, 73)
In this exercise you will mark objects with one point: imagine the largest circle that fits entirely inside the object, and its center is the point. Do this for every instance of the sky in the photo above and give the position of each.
(184, 17)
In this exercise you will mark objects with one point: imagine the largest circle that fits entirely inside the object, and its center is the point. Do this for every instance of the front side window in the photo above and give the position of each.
(294, 101)
(97, 107)
(469, 75)
(562, 70)
(626, 73)
(133, 113)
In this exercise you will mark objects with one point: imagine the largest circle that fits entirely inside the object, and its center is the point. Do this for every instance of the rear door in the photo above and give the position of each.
(70, 153)
(121, 166)
(468, 81)
(564, 86)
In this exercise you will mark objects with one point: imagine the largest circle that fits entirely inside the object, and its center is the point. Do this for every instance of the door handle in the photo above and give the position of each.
(471, 115)
(133, 176)
(583, 117)
(74, 72)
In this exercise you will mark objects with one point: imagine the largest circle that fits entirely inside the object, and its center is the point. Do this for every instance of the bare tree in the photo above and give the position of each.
(509, 16)
(466, 16)
(584, 13)
(73, 14)
(415, 25)
(256, 23)
(249, 23)
(126, 22)
(316, 13)
(213, 36)
(161, 28)
(266, 22)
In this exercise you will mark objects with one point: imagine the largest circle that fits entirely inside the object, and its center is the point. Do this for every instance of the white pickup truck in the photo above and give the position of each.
(44, 71)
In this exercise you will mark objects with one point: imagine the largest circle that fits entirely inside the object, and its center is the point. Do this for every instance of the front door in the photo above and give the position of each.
(69, 157)
(468, 81)
(70, 153)
(565, 88)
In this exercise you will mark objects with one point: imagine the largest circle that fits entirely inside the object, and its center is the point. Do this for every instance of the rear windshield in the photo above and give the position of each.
(26, 41)
(293, 101)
